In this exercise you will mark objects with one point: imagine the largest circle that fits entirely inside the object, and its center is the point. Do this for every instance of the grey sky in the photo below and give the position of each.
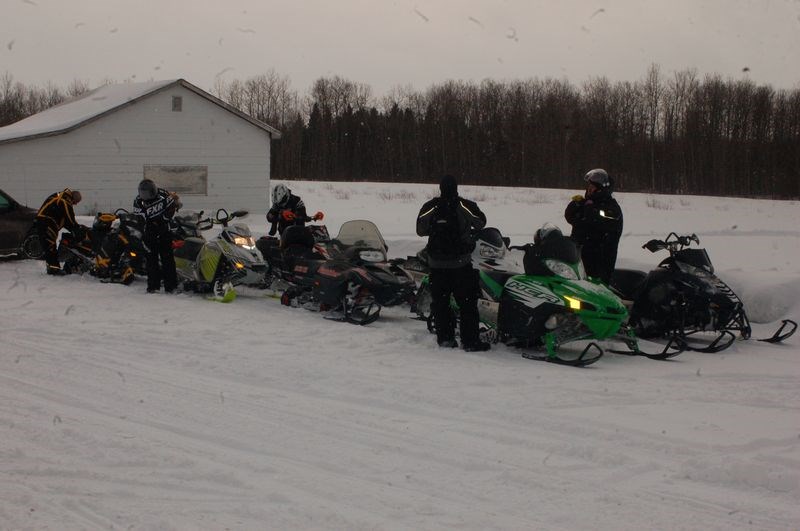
(385, 43)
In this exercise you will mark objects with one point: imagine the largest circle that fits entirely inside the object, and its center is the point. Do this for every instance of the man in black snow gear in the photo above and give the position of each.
(157, 206)
(596, 220)
(56, 213)
(287, 210)
(447, 221)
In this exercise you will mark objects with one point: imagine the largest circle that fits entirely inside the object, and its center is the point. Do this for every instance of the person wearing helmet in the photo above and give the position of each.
(57, 213)
(596, 220)
(447, 221)
(157, 206)
(287, 210)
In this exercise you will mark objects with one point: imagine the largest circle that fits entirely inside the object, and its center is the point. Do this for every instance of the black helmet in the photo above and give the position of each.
(147, 190)
(598, 177)
(548, 230)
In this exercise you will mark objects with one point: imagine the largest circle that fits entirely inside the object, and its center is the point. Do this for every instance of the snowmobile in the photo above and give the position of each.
(112, 249)
(682, 297)
(218, 265)
(540, 298)
(348, 277)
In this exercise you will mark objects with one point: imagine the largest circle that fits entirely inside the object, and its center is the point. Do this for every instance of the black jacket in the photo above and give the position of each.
(57, 210)
(158, 211)
(468, 216)
(596, 227)
(293, 204)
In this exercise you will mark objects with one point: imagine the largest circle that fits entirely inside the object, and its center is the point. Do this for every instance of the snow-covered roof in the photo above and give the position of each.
(101, 101)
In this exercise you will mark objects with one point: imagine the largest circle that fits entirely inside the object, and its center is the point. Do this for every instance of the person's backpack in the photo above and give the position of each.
(448, 237)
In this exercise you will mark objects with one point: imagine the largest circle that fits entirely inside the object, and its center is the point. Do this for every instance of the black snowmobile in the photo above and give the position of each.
(348, 277)
(112, 249)
(682, 297)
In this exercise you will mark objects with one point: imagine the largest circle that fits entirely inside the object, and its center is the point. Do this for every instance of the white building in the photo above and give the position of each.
(108, 140)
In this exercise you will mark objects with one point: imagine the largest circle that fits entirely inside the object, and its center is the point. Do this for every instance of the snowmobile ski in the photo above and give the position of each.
(780, 334)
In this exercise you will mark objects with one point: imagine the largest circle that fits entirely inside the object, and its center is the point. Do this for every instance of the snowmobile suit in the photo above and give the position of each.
(56, 213)
(279, 220)
(447, 221)
(596, 227)
(158, 239)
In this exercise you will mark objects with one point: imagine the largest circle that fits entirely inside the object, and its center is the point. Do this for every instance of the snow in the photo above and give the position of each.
(76, 111)
(123, 410)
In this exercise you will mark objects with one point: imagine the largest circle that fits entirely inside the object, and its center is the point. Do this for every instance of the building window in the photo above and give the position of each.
(186, 180)
(177, 103)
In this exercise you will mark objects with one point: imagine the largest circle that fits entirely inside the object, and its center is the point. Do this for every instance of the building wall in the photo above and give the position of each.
(105, 159)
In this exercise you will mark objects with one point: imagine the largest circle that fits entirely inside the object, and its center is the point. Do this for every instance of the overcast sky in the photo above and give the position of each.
(385, 43)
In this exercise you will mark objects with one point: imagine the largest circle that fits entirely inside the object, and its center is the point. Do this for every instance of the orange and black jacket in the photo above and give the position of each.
(57, 210)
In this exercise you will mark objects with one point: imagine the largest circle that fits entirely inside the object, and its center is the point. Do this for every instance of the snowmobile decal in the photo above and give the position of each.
(531, 294)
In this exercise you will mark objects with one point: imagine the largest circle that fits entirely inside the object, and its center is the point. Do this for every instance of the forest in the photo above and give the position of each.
(677, 133)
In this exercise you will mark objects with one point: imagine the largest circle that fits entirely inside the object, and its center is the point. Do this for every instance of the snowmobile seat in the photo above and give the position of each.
(627, 282)
(297, 236)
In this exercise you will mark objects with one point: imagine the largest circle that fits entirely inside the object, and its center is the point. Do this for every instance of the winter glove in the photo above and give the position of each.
(287, 215)
(577, 198)
(318, 216)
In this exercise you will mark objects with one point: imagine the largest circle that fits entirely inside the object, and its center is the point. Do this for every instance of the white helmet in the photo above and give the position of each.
(280, 194)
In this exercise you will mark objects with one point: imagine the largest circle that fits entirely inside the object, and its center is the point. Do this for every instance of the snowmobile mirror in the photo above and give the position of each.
(240, 214)
(695, 238)
(653, 245)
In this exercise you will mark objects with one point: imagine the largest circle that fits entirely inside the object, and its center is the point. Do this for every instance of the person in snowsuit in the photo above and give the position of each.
(596, 220)
(287, 210)
(447, 221)
(157, 206)
(57, 213)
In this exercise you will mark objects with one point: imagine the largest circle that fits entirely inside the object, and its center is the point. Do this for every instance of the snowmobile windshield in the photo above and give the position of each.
(695, 257)
(361, 233)
(489, 243)
(561, 249)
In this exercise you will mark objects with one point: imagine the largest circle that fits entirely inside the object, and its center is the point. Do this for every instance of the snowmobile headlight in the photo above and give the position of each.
(574, 304)
(561, 269)
(238, 265)
(132, 254)
(488, 251)
(371, 256)
(245, 241)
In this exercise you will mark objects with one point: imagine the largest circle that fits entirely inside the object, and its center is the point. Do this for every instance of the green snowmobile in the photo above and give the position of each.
(541, 299)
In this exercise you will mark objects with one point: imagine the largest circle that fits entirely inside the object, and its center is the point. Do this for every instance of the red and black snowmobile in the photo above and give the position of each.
(348, 277)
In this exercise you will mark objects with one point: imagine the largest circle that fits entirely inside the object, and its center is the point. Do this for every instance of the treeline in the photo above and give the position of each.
(18, 101)
(676, 133)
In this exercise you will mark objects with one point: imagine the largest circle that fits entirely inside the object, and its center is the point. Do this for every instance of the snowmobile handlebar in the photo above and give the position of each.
(223, 218)
(673, 242)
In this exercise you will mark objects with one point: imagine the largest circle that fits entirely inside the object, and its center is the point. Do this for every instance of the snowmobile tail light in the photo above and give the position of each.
(133, 254)
(371, 256)
(561, 269)
(574, 304)
(245, 241)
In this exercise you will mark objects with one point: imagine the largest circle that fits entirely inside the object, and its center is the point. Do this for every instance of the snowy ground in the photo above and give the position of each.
(123, 410)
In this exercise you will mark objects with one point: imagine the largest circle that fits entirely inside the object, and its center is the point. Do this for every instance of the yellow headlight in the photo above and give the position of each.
(574, 304)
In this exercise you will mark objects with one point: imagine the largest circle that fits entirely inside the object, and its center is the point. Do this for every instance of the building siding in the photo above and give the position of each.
(105, 159)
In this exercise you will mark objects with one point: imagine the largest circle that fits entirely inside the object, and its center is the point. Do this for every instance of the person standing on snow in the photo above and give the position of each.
(56, 213)
(287, 209)
(447, 221)
(157, 206)
(596, 220)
